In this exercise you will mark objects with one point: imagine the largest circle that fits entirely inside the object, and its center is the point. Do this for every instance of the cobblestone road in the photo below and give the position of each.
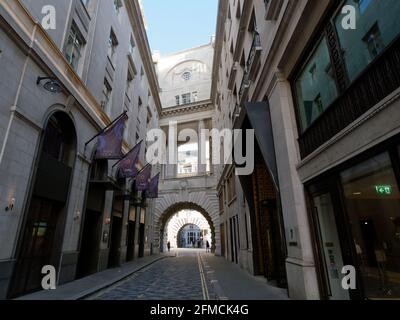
(174, 278)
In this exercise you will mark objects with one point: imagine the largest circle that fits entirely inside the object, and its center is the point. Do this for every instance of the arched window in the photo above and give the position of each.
(59, 139)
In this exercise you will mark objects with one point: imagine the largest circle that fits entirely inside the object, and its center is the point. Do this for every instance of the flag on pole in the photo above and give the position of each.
(110, 141)
(127, 167)
(152, 191)
(143, 178)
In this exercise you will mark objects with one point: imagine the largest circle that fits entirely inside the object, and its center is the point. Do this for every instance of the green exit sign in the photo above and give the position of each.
(383, 190)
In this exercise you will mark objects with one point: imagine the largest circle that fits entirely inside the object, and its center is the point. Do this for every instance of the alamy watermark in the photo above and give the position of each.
(227, 146)
(349, 19)
(49, 280)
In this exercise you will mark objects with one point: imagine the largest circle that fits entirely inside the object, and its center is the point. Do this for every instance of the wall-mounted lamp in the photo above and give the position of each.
(11, 204)
(108, 221)
(51, 85)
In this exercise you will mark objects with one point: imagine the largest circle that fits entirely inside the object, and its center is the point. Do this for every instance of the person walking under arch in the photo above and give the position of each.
(207, 246)
(169, 246)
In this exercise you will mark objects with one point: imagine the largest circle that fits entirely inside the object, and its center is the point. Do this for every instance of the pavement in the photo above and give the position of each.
(230, 282)
(183, 274)
(79, 289)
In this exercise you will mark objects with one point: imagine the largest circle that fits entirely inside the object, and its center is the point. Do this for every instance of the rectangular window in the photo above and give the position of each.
(74, 47)
(221, 203)
(107, 92)
(129, 84)
(195, 96)
(86, 3)
(117, 6)
(377, 27)
(177, 100)
(315, 87)
(186, 98)
(132, 45)
(363, 5)
(149, 115)
(112, 46)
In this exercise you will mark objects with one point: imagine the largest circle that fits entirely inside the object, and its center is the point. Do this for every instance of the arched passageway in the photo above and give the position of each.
(188, 229)
(162, 223)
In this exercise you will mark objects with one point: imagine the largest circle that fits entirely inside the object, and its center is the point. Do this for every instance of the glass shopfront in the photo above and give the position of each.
(356, 216)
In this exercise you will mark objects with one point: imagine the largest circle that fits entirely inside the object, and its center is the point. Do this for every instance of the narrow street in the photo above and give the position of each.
(173, 278)
(199, 150)
(190, 275)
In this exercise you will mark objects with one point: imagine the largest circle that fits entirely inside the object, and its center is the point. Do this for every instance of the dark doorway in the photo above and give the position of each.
(222, 227)
(233, 246)
(130, 241)
(39, 239)
(267, 227)
(40, 242)
(141, 240)
(236, 234)
(92, 220)
(89, 253)
(369, 236)
(115, 244)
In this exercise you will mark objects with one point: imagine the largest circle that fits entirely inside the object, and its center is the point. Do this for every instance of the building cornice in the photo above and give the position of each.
(202, 46)
(135, 16)
(187, 109)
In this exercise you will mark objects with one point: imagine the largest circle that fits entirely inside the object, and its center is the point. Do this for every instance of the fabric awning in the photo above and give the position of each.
(256, 115)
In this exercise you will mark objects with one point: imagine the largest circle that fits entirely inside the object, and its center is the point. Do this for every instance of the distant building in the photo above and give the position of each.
(185, 77)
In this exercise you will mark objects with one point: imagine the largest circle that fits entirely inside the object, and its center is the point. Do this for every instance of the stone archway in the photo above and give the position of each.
(166, 207)
(182, 219)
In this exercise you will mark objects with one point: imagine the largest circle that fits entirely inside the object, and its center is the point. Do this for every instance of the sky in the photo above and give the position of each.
(176, 25)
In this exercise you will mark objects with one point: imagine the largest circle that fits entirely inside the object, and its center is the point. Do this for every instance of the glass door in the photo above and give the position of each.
(372, 202)
(329, 246)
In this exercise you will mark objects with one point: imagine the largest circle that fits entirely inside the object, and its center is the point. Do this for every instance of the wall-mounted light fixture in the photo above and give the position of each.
(11, 204)
(51, 85)
(108, 221)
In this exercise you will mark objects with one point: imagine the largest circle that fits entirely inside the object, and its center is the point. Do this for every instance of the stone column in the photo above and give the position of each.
(202, 168)
(300, 267)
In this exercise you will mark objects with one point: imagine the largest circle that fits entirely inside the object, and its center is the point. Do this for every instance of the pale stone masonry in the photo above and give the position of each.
(29, 52)
(233, 45)
(260, 48)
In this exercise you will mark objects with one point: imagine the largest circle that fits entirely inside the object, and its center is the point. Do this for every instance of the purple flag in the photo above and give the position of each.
(152, 192)
(110, 142)
(127, 167)
(143, 179)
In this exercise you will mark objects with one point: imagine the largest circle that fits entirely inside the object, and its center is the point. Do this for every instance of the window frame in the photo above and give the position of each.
(76, 34)
(321, 31)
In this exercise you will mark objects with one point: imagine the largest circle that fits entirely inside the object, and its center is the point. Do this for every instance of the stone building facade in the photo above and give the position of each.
(186, 74)
(326, 97)
(63, 207)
